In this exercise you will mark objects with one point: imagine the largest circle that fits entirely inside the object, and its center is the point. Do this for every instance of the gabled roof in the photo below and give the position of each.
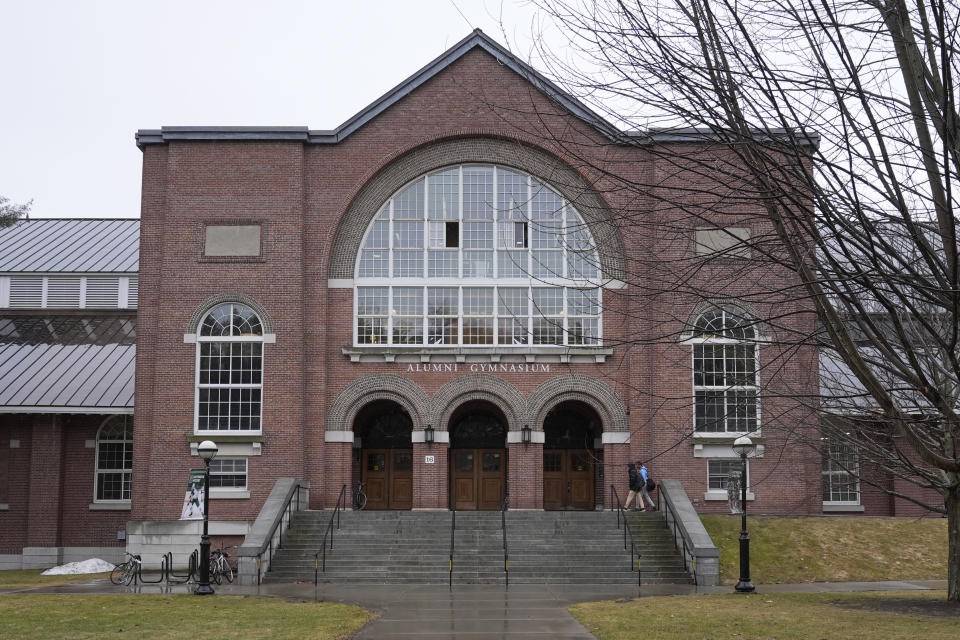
(476, 40)
(67, 364)
(71, 245)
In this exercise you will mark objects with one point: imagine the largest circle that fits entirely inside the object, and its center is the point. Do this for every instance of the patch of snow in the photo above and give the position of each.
(94, 565)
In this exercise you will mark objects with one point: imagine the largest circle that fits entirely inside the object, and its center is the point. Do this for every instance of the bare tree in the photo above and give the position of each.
(835, 123)
(10, 212)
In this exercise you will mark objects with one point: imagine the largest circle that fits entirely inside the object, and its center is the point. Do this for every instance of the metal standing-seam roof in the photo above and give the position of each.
(71, 245)
(67, 364)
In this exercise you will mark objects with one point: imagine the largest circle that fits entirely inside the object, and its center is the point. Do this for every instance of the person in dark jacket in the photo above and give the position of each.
(634, 476)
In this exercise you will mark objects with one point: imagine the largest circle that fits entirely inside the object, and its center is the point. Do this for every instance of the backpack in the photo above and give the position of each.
(651, 485)
(635, 480)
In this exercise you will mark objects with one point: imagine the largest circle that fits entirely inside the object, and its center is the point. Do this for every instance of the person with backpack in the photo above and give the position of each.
(646, 485)
(634, 477)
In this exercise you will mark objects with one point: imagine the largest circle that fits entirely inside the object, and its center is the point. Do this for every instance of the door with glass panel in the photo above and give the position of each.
(388, 478)
(478, 459)
(569, 457)
(383, 431)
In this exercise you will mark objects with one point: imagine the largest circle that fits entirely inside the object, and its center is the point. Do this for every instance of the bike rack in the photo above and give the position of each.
(164, 569)
(192, 563)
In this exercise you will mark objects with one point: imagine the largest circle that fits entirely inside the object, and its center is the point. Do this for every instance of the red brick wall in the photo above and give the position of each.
(301, 193)
(49, 484)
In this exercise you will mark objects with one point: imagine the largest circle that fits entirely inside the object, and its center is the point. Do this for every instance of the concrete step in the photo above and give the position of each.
(414, 547)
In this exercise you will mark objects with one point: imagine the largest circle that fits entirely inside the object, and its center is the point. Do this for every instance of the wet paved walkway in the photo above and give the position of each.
(522, 612)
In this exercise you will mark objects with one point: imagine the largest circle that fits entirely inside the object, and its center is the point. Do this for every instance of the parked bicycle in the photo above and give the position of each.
(126, 572)
(359, 497)
(220, 568)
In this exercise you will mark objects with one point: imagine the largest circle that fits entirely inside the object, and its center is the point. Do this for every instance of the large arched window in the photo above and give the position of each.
(725, 383)
(229, 370)
(477, 255)
(114, 460)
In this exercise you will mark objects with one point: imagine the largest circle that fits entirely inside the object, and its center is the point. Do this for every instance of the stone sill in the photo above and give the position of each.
(842, 508)
(722, 495)
(229, 494)
(506, 354)
(110, 506)
(4, 507)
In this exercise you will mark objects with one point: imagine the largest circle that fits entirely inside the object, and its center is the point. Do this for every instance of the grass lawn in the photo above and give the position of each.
(809, 549)
(17, 578)
(167, 617)
(825, 616)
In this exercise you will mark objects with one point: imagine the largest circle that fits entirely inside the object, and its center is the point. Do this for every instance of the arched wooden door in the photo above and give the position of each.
(386, 455)
(569, 458)
(478, 459)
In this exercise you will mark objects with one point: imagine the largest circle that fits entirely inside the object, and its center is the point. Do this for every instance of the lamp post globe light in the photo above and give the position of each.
(207, 451)
(743, 447)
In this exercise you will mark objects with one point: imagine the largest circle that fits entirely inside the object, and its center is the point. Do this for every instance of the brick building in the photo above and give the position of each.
(441, 298)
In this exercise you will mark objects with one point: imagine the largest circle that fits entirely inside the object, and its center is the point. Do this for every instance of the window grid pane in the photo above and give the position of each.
(529, 236)
(724, 376)
(444, 195)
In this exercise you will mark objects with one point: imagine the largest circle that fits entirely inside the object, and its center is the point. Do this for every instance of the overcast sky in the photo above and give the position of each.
(80, 77)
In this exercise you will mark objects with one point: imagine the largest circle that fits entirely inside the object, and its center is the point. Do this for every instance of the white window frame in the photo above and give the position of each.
(561, 281)
(830, 474)
(97, 471)
(201, 339)
(246, 473)
(721, 494)
(697, 341)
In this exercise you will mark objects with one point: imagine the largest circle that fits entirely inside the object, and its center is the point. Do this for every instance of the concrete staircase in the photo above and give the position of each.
(545, 547)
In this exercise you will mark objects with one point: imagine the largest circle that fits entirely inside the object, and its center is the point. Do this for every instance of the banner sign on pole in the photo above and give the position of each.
(193, 501)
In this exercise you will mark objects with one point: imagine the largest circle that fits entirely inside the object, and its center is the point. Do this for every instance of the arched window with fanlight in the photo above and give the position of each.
(114, 469)
(229, 370)
(725, 377)
(477, 255)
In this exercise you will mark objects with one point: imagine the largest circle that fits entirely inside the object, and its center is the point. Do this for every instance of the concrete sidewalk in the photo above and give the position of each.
(476, 611)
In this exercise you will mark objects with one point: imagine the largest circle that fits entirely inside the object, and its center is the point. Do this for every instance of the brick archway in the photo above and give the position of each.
(362, 391)
(592, 392)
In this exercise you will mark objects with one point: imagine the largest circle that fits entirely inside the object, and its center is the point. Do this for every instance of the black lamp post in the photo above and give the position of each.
(743, 447)
(207, 451)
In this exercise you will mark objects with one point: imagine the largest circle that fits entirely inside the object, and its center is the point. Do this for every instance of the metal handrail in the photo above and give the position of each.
(341, 502)
(453, 527)
(683, 539)
(285, 515)
(503, 528)
(621, 513)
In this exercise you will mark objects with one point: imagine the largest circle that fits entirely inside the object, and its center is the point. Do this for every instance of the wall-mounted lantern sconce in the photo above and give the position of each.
(428, 434)
(526, 434)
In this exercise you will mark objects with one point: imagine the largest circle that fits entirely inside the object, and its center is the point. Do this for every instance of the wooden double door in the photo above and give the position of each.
(388, 478)
(477, 478)
(568, 479)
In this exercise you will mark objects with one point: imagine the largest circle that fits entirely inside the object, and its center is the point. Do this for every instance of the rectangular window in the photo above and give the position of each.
(407, 314)
(840, 470)
(725, 388)
(443, 197)
(547, 315)
(372, 315)
(718, 473)
(478, 315)
(512, 312)
(512, 195)
(477, 193)
(452, 235)
(228, 473)
(520, 235)
(443, 263)
(442, 315)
